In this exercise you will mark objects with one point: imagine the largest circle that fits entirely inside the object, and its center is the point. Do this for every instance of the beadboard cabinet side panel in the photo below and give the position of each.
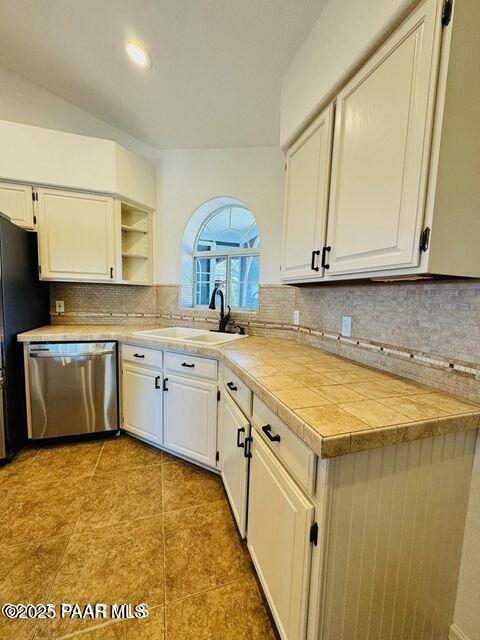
(392, 540)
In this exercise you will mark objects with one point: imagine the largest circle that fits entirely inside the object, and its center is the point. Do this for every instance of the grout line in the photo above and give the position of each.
(61, 560)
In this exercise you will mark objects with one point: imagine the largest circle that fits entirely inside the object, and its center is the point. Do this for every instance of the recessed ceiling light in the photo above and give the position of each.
(139, 55)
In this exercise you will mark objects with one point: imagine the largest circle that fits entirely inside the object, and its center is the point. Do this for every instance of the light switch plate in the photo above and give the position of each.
(59, 306)
(296, 317)
(347, 326)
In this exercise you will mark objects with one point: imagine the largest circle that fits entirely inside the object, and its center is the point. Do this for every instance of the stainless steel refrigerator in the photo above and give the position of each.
(24, 305)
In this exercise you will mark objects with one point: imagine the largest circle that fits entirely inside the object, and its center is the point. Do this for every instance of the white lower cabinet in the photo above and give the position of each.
(279, 522)
(234, 428)
(142, 402)
(190, 418)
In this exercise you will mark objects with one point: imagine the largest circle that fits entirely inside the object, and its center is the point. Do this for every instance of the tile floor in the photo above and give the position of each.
(119, 521)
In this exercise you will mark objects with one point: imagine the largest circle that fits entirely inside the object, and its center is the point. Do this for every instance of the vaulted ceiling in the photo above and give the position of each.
(217, 64)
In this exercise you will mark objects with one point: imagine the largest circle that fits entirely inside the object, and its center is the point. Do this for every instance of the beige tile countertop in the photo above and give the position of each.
(333, 404)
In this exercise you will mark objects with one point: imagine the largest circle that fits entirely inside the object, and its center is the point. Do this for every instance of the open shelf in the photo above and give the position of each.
(136, 242)
(126, 227)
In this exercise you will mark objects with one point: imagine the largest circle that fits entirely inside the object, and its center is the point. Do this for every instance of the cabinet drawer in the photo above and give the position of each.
(299, 459)
(142, 356)
(239, 391)
(192, 366)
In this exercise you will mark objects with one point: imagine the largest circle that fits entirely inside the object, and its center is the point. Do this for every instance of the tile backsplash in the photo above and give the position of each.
(426, 331)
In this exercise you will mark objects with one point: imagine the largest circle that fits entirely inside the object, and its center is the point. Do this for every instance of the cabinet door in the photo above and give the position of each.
(233, 429)
(190, 418)
(17, 203)
(278, 535)
(142, 402)
(306, 199)
(76, 236)
(383, 127)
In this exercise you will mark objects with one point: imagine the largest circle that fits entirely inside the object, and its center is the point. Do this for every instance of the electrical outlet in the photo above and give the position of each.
(59, 306)
(347, 326)
(296, 317)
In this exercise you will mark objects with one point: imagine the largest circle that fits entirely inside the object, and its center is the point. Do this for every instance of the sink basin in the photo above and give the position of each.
(184, 334)
(173, 333)
(214, 338)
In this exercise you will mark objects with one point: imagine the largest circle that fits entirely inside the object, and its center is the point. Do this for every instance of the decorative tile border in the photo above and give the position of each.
(464, 368)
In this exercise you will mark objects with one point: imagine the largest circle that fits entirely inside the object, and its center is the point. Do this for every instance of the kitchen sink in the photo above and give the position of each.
(214, 338)
(184, 334)
(172, 333)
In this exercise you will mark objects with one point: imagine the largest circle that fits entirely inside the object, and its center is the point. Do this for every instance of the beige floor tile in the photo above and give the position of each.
(27, 572)
(119, 496)
(277, 383)
(446, 403)
(302, 397)
(118, 564)
(337, 393)
(35, 512)
(202, 550)
(12, 473)
(374, 413)
(330, 420)
(233, 612)
(185, 485)
(414, 408)
(63, 461)
(374, 390)
(150, 628)
(124, 452)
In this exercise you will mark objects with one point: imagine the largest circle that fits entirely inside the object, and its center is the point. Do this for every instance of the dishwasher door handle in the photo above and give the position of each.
(51, 354)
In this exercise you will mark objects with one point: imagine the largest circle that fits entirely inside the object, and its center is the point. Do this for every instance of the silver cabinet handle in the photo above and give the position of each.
(82, 354)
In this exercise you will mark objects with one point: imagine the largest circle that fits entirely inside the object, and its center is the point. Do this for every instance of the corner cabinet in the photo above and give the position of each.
(76, 236)
(403, 193)
(17, 202)
(306, 200)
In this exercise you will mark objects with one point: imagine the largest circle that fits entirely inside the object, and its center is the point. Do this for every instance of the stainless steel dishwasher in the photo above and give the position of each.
(73, 388)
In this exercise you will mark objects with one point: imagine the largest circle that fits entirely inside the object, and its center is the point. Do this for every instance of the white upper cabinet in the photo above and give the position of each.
(306, 200)
(16, 201)
(383, 128)
(76, 236)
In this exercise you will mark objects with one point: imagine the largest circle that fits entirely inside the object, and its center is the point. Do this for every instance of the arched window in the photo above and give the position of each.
(226, 251)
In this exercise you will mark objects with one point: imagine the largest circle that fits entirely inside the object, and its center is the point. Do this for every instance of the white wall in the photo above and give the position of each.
(467, 608)
(24, 101)
(341, 37)
(188, 178)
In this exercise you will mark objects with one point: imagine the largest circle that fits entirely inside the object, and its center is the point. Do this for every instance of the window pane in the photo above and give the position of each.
(231, 239)
(252, 236)
(242, 219)
(219, 222)
(243, 284)
(230, 228)
(208, 272)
